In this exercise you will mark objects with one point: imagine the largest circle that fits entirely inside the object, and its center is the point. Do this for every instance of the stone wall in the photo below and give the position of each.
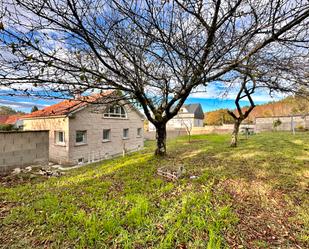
(22, 148)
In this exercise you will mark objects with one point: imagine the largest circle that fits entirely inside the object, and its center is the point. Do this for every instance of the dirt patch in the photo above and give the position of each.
(5, 208)
(20, 179)
(264, 217)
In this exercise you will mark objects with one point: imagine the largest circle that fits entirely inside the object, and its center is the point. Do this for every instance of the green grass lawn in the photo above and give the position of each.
(252, 196)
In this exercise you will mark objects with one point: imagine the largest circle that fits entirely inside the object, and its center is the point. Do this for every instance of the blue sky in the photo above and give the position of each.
(210, 104)
(26, 103)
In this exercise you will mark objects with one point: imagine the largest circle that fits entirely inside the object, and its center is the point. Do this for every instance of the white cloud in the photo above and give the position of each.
(220, 91)
(21, 104)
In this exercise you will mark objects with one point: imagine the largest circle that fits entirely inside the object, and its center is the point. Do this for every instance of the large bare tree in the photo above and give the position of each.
(155, 52)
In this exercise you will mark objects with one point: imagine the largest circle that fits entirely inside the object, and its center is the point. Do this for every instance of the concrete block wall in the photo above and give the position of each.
(170, 134)
(266, 124)
(57, 153)
(22, 148)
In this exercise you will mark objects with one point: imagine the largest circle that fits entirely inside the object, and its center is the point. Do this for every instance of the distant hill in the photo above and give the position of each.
(6, 110)
(287, 106)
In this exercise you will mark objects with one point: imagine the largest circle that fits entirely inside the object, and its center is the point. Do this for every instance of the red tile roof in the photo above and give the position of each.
(6, 119)
(67, 106)
(3, 118)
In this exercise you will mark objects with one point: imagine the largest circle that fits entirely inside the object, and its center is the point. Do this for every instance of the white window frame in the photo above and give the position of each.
(139, 132)
(115, 111)
(85, 137)
(123, 133)
(57, 141)
(109, 135)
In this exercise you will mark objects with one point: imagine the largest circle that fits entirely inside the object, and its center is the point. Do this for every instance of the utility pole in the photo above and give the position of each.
(292, 124)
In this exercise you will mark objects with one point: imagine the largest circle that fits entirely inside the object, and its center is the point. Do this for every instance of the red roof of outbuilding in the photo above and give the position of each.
(67, 106)
(6, 119)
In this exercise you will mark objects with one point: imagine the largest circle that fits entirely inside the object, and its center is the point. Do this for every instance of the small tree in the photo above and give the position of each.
(34, 109)
(244, 92)
(188, 126)
(7, 127)
(276, 123)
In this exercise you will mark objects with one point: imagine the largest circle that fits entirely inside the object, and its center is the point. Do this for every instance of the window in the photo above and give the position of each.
(59, 137)
(139, 132)
(106, 135)
(115, 111)
(125, 133)
(81, 137)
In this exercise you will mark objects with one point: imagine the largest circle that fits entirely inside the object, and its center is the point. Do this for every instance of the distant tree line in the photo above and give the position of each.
(287, 106)
(7, 110)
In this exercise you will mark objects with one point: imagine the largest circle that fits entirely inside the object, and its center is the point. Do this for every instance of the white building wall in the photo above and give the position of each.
(94, 123)
(178, 123)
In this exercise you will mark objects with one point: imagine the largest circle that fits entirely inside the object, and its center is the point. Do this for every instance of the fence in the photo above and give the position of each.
(22, 148)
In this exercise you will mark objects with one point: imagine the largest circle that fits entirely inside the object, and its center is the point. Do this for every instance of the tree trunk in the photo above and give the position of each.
(235, 133)
(161, 140)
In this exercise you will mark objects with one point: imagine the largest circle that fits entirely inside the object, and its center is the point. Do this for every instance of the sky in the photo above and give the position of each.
(212, 99)
(209, 100)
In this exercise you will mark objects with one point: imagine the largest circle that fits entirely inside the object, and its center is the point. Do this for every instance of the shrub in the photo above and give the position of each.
(7, 127)
(300, 128)
(277, 123)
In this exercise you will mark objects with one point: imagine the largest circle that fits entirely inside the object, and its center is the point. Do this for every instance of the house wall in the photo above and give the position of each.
(57, 153)
(198, 122)
(22, 148)
(266, 124)
(93, 122)
(178, 122)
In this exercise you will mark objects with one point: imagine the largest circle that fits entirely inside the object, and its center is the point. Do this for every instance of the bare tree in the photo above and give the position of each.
(265, 72)
(243, 113)
(188, 126)
(154, 52)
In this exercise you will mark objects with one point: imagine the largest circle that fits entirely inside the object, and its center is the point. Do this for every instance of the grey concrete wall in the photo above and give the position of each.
(151, 135)
(58, 153)
(218, 129)
(209, 129)
(22, 148)
(266, 124)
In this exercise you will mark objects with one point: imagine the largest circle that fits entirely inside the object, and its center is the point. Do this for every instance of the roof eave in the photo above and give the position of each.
(46, 117)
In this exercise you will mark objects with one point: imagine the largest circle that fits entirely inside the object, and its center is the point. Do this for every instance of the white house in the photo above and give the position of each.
(190, 115)
(82, 132)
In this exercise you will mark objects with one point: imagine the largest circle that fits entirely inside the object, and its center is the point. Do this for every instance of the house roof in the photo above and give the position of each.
(67, 106)
(9, 119)
(196, 109)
